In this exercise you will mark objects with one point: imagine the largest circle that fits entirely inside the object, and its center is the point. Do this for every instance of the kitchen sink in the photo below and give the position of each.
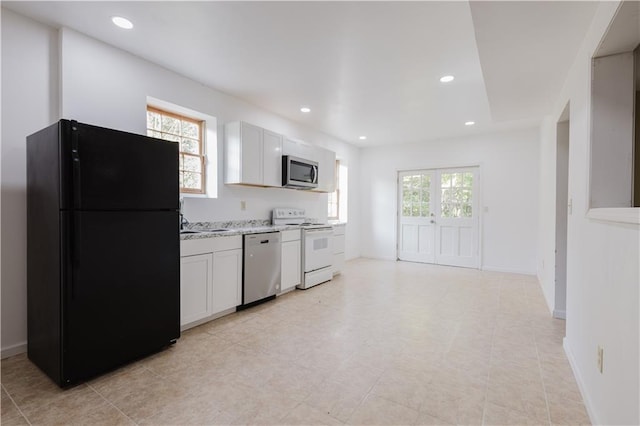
(200, 231)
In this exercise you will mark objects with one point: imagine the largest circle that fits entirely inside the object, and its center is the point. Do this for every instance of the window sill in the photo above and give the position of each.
(192, 195)
(618, 215)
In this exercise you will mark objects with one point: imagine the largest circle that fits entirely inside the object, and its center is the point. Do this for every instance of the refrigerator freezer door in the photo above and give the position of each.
(113, 170)
(123, 296)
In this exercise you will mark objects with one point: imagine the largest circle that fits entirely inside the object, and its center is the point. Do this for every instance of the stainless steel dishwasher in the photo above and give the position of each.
(261, 267)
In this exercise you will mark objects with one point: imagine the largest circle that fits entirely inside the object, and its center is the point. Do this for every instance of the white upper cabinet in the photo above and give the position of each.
(326, 170)
(299, 149)
(272, 158)
(252, 155)
(325, 158)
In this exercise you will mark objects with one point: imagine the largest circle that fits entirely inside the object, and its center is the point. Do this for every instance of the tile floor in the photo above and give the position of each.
(384, 343)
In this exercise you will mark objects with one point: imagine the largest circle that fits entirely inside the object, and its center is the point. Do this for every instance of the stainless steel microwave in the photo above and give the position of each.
(299, 173)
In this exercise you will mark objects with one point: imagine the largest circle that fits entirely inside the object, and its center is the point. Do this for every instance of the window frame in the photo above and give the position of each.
(201, 145)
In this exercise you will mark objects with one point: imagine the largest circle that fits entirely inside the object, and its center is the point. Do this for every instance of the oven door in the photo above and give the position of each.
(318, 252)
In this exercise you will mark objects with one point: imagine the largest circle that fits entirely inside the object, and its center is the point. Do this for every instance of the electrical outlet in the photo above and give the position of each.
(600, 358)
(243, 205)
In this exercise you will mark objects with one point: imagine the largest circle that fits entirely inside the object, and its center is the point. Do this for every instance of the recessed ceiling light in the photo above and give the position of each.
(362, 138)
(469, 123)
(446, 78)
(305, 109)
(122, 22)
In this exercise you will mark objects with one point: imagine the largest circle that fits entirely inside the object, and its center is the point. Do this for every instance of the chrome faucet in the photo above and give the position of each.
(183, 220)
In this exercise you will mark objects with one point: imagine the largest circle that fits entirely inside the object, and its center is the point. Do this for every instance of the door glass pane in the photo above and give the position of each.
(456, 194)
(446, 195)
(468, 180)
(445, 210)
(416, 195)
(424, 208)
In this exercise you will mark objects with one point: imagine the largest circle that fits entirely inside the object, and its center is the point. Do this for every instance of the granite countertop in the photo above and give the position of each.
(230, 228)
(235, 231)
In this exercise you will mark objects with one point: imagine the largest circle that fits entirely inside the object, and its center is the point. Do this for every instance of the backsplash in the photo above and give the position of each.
(229, 224)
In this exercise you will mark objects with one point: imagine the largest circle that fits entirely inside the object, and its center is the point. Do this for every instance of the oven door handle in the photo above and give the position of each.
(317, 232)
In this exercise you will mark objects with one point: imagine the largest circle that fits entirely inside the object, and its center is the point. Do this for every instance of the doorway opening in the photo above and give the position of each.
(563, 209)
(438, 216)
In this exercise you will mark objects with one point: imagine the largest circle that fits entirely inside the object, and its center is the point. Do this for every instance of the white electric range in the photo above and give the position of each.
(317, 253)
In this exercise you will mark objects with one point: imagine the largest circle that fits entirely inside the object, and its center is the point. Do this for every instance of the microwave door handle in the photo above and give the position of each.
(314, 174)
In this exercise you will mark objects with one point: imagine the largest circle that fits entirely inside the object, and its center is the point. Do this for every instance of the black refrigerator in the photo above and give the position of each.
(103, 249)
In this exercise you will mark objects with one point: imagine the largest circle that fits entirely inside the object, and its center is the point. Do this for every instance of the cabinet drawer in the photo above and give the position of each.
(290, 235)
(339, 229)
(209, 245)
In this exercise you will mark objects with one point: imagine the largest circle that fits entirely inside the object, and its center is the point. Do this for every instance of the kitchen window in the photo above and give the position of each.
(334, 197)
(337, 200)
(188, 133)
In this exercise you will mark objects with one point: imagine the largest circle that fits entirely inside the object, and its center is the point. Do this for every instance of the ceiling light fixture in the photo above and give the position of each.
(122, 22)
(362, 138)
(446, 79)
(469, 123)
(305, 109)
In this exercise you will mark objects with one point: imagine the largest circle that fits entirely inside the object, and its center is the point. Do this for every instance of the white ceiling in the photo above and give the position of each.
(364, 68)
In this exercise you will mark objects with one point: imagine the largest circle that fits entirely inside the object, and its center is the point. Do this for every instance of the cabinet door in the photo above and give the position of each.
(195, 287)
(227, 279)
(272, 161)
(299, 149)
(251, 154)
(290, 265)
(326, 170)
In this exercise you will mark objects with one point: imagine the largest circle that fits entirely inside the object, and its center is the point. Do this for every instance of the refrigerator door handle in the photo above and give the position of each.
(75, 253)
(75, 161)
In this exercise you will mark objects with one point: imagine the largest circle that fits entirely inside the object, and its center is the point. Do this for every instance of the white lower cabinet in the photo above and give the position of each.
(195, 287)
(290, 272)
(210, 278)
(338, 248)
(227, 279)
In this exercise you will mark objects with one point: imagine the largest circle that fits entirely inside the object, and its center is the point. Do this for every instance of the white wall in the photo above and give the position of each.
(562, 201)
(105, 86)
(509, 177)
(602, 259)
(29, 102)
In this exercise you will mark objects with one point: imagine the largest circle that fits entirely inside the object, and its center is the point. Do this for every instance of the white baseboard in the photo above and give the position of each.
(13, 350)
(507, 270)
(580, 382)
(561, 314)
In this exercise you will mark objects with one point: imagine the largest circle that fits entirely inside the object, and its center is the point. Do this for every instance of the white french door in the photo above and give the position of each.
(438, 216)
